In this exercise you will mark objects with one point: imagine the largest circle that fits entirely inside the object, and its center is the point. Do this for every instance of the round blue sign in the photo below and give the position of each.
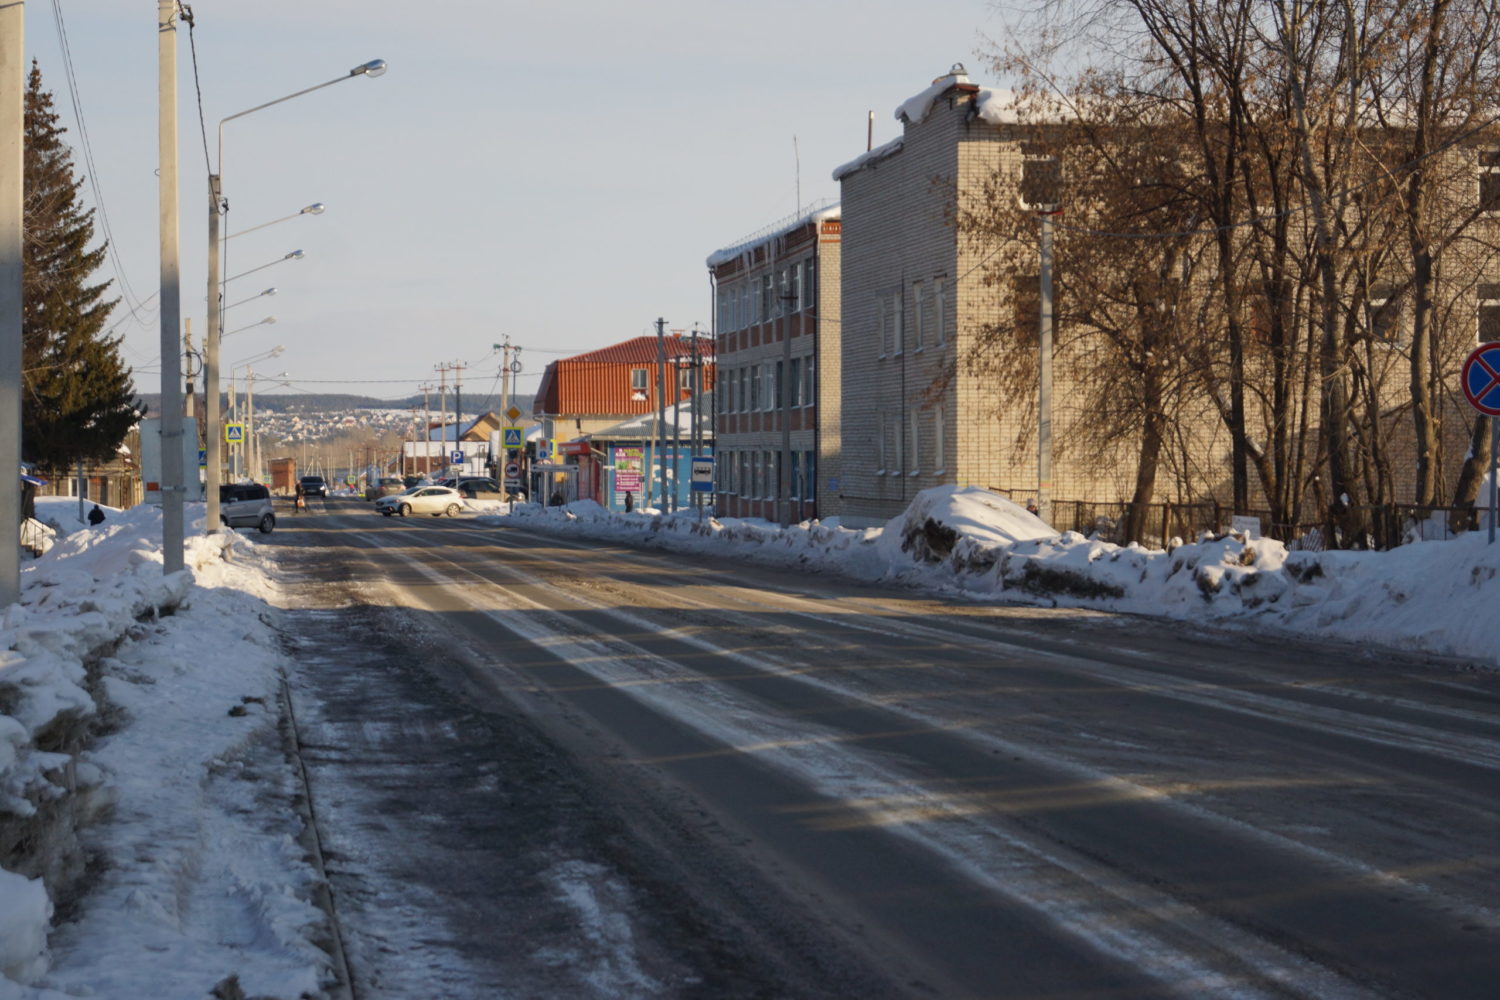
(1481, 379)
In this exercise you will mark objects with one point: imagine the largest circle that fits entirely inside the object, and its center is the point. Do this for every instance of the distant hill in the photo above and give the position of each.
(331, 402)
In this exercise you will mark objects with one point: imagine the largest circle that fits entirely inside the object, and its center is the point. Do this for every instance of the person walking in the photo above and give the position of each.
(300, 503)
(96, 516)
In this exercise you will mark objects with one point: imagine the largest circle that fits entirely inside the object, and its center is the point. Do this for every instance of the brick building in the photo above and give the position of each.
(776, 322)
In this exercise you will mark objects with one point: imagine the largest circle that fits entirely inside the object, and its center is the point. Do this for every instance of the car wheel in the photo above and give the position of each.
(386, 512)
(452, 510)
(405, 509)
(267, 524)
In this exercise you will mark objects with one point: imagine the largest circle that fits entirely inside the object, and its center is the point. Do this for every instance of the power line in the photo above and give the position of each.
(186, 13)
(132, 301)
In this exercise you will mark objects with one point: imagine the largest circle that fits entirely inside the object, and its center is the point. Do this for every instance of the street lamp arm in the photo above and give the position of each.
(313, 209)
(373, 68)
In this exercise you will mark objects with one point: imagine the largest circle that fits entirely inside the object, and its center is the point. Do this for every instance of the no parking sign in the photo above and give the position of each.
(1481, 383)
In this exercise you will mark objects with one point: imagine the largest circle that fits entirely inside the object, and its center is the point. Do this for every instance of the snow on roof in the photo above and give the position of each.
(878, 153)
(773, 231)
(992, 105)
(914, 109)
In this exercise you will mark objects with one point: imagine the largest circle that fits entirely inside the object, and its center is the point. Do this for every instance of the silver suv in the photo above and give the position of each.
(247, 505)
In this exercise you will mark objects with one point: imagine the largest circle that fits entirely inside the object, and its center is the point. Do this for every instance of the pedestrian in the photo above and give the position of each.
(629, 501)
(557, 498)
(301, 500)
(1031, 508)
(96, 516)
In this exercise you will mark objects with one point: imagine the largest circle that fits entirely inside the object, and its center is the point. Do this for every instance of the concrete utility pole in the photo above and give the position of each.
(173, 475)
(458, 406)
(12, 164)
(661, 405)
(442, 371)
(211, 429)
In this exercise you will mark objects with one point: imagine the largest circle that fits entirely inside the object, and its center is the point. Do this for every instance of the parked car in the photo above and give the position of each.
(479, 488)
(384, 487)
(409, 481)
(434, 500)
(314, 486)
(247, 505)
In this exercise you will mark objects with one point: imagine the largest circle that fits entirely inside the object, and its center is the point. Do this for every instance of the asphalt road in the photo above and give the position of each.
(546, 767)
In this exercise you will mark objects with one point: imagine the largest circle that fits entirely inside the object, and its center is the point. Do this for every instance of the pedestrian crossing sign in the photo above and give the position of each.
(514, 438)
(234, 433)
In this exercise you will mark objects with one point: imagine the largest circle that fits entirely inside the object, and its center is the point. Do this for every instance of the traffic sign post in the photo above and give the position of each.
(234, 433)
(514, 441)
(1481, 384)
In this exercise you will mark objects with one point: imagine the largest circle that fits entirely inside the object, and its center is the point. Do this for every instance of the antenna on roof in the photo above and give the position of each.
(870, 134)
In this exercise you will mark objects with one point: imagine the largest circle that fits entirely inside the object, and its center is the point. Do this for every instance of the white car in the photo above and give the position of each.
(434, 500)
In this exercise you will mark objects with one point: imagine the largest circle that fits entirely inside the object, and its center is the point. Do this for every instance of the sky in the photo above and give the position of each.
(552, 173)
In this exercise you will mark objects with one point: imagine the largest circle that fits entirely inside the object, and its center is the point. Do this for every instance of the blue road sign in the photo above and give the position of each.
(513, 438)
(457, 458)
(1481, 379)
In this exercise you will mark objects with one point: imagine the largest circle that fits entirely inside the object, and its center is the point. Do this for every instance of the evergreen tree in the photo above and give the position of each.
(77, 394)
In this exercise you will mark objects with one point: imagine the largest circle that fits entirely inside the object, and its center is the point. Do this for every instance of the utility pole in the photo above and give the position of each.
(187, 360)
(458, 406)
(426, 429)
(442, 371)
(173, 475)
(1041, 191)
(12, 166)
(661, 406)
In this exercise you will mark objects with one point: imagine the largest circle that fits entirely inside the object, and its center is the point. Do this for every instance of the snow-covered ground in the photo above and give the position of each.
(188, 799)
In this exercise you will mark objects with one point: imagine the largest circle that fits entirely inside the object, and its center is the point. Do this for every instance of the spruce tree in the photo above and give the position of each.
(78, 400)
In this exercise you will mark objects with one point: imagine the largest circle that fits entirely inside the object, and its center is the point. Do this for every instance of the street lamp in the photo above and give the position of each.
(294, 255)
(257, 295)
(316, 208)
(255, 463)
(235, 408)
(269, 320)
(373, 68)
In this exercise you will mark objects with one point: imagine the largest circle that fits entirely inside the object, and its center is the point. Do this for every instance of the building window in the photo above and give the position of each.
(916, 443)
(810, 475)
(744, 481)
(939, 464)
(639, 384)
(1489, 314)
(795, 382)
(796, 483)
(919, 299)
(898, 462)
(685, 378)
(1489, 180)
(810, 392)
(769, 392)
(767, 297)
(810, 283)
(780, 378)
(937, 296)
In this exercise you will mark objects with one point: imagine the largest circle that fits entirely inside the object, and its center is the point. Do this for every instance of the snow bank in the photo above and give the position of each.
(204, 876)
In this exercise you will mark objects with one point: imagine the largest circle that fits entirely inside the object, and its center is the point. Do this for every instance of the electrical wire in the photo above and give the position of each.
(132, 301)
(186, 13)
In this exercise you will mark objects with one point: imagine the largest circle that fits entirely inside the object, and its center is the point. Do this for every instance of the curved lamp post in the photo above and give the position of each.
(373, 68)
(257, 295)
(316, 208)
(237, 410)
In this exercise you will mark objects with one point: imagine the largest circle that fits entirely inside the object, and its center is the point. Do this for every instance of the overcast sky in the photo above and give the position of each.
(554, 172)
